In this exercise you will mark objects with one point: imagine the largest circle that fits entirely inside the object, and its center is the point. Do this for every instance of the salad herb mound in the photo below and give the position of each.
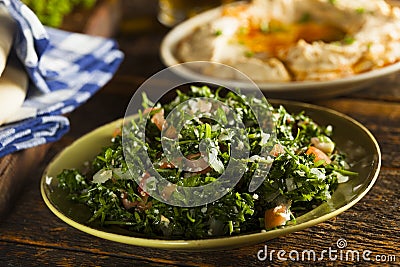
(305, 169)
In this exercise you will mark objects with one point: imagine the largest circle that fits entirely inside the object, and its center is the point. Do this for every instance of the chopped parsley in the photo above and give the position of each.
(306, 17)
(218, 32)
(360, 10)
(299, 178)
(348, 40)
(249, 54)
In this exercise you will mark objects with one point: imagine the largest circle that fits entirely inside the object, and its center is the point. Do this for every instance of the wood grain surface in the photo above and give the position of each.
(31, 235)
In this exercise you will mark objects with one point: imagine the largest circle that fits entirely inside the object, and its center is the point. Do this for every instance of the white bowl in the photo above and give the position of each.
(300, 90)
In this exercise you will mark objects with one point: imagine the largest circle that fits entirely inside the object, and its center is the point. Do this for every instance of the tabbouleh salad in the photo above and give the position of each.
(306, 168)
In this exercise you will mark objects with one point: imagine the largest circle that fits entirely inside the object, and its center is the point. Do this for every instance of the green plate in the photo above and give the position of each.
(350, 136)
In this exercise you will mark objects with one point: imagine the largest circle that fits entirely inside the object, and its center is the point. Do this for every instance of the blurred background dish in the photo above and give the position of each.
(294, 89)
(172, 12)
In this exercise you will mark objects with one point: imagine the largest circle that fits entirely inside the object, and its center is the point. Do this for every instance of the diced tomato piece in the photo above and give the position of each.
(158, 119)
(117, 132)
(142, 184)
(166, 165)
(148, 110)
(277, 216)
(277, 150)
(168, 190)
(319, 155)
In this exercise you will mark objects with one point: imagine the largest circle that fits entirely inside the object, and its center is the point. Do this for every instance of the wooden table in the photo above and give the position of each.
(30, 234)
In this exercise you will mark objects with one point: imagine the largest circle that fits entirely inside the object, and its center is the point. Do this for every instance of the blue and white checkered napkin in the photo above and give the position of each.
(65, 70)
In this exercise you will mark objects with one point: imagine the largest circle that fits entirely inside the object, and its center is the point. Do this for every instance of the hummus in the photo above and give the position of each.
(297, 40)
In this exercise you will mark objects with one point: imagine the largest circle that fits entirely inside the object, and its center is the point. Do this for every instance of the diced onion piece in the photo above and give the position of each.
(325, 144)
(102, 176)
(164, 219)
(341, 178)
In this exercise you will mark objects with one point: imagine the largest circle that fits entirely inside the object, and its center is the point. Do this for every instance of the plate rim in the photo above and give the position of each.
(217, 243)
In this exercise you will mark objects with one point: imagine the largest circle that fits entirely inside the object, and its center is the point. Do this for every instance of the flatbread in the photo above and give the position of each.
(7, 30)
(13, 78)
(13, 88)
